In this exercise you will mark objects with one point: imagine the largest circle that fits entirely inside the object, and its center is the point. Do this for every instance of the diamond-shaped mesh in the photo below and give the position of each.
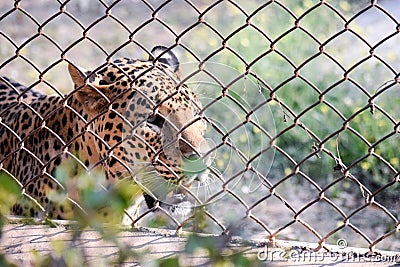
(301, 101)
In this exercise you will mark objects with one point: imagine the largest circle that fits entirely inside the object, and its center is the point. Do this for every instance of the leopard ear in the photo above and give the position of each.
(77, 75)
(165, 56)
(89, 95)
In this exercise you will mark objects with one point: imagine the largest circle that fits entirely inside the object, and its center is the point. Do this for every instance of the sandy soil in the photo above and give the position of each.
(21, 243)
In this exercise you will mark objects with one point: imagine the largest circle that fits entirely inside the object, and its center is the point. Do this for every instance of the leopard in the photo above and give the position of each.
(125, 117)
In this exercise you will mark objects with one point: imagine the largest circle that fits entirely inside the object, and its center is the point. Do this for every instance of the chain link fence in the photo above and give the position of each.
(301, 101)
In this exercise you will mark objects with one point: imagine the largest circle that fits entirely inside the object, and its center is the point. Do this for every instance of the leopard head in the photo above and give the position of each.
(143, 119)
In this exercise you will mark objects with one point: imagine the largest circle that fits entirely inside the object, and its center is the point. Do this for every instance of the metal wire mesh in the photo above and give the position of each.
(301, 102)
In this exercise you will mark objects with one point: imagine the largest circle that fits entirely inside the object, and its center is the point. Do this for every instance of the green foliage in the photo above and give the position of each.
(6, 263)
(102, 210)
(292, 48)
(169, 262)
(10, 191)
(215, 249)
(99, 204)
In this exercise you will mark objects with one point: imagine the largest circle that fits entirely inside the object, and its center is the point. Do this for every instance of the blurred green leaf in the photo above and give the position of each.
(10, 191)
(169, 262)
(5, 263)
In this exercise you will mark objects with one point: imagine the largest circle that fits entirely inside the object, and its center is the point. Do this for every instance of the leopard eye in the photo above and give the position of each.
(156, 119)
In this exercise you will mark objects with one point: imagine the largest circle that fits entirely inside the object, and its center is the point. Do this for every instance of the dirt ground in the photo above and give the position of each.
(24, 244)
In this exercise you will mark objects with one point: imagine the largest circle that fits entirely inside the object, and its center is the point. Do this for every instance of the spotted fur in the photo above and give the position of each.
(128, 114)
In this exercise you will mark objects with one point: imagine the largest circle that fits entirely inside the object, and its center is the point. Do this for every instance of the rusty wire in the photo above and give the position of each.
(287, 118)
